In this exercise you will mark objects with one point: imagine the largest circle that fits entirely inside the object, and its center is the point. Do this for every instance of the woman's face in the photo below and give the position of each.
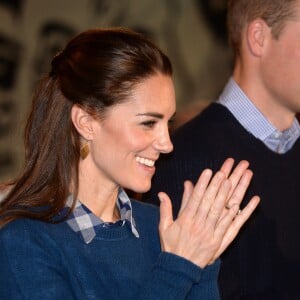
(128, 142)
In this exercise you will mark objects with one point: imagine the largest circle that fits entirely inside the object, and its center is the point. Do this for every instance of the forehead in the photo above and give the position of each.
(156, 93)
(155, 86)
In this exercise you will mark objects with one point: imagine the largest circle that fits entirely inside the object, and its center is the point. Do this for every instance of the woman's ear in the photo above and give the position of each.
(83, 122)
(258, 33)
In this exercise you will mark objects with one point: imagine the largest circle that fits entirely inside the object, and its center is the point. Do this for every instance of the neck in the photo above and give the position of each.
(98, 195)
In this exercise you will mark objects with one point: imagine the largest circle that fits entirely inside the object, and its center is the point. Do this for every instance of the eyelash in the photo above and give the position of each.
(149, 123)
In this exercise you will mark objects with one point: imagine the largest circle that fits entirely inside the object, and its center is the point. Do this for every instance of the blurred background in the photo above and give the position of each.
(191, 32)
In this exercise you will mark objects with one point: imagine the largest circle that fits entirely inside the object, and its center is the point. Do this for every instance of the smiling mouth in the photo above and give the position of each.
(145, 161)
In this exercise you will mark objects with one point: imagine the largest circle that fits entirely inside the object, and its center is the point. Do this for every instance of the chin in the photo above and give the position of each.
(137, 184)
(141, 188)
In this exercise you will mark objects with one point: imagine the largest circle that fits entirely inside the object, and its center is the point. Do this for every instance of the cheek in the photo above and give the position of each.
(286, 58)
(121, 142)
(135, 140)
(122, 149)
(273, 67)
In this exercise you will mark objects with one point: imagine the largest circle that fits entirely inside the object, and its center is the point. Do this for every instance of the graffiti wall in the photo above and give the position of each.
(191, 32)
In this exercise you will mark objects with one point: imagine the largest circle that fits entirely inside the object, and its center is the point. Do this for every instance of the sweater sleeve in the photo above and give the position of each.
(29, 268)
(176, 278)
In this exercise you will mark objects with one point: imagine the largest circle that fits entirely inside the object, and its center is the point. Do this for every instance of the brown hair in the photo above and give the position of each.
(242, 12)
(97, 69)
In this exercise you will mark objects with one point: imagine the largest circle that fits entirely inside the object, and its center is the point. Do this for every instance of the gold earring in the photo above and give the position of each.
(84, 151)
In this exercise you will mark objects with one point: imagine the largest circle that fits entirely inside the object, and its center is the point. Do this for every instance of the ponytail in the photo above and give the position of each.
(51, 154)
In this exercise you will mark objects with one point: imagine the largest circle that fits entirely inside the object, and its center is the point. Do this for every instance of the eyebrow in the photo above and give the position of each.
(155, 115)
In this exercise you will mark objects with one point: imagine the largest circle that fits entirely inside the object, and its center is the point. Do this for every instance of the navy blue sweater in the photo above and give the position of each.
(264, 261)
(50, 261)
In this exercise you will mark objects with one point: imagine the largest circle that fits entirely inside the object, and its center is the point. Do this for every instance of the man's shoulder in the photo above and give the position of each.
(209, 126)
(212, 117)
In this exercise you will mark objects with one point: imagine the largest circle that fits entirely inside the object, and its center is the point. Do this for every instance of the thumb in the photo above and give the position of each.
(166, 215)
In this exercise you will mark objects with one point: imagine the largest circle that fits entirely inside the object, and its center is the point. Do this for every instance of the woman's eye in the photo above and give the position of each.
(149, 123)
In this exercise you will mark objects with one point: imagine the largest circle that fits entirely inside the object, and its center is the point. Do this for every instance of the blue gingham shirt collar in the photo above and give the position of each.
(82, 220)
(255, 122)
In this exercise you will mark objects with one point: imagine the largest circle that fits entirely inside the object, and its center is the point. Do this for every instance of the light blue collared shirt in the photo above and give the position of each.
(83, 221)
(255, 122)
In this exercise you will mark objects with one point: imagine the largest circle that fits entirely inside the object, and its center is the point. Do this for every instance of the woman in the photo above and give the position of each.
(98, 123)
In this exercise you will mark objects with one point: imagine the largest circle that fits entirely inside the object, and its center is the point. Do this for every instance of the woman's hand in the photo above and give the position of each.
(209, 218)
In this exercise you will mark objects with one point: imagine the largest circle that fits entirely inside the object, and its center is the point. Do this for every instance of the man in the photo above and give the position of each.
(254, 119)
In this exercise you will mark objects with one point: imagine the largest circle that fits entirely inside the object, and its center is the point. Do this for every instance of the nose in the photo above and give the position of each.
(163, 142)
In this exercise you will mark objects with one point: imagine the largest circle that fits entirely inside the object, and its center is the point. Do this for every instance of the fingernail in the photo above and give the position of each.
(160, 198)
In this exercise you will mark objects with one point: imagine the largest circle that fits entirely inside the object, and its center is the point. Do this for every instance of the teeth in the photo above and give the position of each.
(145, 161)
